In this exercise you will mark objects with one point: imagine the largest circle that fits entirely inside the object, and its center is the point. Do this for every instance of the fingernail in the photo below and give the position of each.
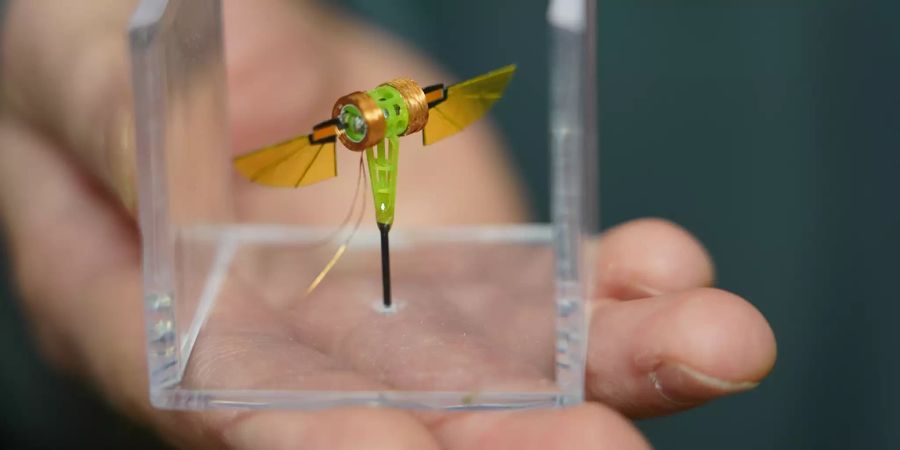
(645, 289)
(684, 385)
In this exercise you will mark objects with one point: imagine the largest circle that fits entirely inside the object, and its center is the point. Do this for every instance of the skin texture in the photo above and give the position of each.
(661, 340)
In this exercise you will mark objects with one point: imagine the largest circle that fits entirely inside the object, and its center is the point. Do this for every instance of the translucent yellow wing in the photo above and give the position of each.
(463, 103)
(294, 163)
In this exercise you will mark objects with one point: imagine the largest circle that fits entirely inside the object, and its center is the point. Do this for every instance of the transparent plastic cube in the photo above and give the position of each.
(487, 315)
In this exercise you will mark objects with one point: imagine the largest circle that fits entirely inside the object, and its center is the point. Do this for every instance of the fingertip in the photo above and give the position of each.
(713, 332)
(651, 256)
(663, 354)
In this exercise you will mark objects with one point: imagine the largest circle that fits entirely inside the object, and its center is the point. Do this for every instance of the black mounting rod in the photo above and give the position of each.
(385, 263)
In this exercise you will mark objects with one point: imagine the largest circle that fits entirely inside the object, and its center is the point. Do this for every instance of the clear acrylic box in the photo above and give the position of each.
(487, 315)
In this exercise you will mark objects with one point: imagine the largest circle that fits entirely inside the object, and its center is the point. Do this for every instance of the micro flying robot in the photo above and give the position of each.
(373, 122)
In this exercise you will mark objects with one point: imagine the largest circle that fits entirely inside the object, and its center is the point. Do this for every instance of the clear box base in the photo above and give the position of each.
(473, 323)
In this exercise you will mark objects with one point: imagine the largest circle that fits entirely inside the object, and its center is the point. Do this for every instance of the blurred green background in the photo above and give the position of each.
(768, 128)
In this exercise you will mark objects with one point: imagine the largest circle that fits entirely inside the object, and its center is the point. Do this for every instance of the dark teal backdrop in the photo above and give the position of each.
(768, 128)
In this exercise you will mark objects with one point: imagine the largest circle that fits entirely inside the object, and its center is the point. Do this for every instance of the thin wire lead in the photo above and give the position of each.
(360, 185)
(360, 182)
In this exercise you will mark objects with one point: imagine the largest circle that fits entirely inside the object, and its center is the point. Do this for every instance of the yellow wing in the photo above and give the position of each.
(294, 163)
(465, 103)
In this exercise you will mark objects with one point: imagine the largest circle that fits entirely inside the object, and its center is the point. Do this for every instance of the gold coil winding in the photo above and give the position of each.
(414, 97)
(371, 114)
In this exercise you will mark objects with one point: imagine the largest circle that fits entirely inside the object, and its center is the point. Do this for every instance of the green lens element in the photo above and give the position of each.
(396, 114)
(355, 127)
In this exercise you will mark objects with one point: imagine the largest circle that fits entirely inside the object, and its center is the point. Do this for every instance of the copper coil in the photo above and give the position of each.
(372, 115)
(414, 97)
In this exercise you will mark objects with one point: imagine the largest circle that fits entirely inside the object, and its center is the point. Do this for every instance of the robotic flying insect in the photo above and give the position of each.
(363, 121)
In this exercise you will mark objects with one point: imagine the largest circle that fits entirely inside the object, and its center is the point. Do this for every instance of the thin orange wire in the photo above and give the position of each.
(360, 181)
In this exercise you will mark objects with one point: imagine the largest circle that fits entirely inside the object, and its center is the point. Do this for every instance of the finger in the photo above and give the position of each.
(648, 257)
(332, 429)
(585, 427)
(76, 258)
(71, 80)
(659, 355)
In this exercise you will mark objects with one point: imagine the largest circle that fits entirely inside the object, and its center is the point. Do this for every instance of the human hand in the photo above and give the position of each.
(660, 340)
